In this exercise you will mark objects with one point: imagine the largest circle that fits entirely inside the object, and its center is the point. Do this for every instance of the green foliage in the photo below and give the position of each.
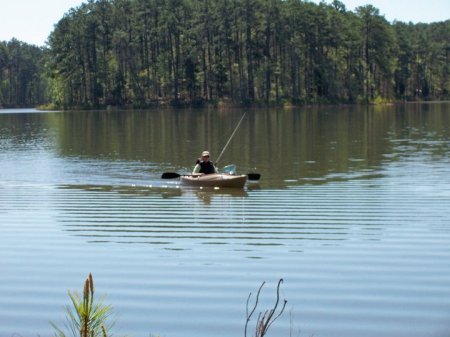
(21, 74)
(86, 317)
(191, 52)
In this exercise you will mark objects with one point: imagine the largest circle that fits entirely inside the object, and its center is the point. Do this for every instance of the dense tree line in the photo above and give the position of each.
(22, 81)
(144, 52)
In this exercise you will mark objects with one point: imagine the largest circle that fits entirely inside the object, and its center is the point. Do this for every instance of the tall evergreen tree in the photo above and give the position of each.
(142, 52)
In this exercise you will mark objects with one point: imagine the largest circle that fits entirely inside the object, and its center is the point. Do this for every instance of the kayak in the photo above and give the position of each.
(214, 180)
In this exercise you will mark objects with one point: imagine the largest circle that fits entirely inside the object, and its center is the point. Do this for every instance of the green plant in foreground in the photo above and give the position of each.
(86, 317)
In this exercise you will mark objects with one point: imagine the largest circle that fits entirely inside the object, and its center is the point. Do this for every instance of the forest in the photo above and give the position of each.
(143, 53)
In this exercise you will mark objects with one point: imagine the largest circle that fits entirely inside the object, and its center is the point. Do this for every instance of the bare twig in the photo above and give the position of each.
(265, 320)
(254, 307)
(270, 319)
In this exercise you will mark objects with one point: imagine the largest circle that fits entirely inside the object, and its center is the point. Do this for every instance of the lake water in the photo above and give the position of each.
(352, 211)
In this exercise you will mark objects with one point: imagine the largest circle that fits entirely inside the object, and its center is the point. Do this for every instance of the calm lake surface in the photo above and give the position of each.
(352, 211)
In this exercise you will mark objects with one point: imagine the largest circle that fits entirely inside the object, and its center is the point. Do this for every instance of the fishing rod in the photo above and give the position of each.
(229, 140)
(250, 176)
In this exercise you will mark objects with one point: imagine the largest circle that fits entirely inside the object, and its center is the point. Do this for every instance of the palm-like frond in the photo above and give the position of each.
(86, 317)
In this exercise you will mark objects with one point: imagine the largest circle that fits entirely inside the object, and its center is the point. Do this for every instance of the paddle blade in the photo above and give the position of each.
(170, 175)
(253, 176)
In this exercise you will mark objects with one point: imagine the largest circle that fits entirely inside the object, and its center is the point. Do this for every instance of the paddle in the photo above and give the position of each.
(229, 169)
(173, 175)
(253, 176)
(170, 175)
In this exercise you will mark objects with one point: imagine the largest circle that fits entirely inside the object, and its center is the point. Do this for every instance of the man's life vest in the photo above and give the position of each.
(206, 167)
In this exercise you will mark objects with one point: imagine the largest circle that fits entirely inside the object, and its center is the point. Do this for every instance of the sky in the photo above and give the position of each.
(32, 21)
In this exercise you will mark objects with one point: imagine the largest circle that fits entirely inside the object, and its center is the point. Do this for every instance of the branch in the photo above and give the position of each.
(254, 308)
(265, 320)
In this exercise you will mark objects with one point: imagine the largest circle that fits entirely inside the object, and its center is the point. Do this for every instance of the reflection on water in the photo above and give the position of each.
(282, 145)
(114, 219)
(351, 210)
(132, 190)
(165, 191)
(286, 144)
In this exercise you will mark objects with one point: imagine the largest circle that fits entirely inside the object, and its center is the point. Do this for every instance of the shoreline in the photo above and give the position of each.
(224, 105)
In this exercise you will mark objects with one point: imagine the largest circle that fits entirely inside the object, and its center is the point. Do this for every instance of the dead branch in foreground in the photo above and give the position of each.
(266, 319)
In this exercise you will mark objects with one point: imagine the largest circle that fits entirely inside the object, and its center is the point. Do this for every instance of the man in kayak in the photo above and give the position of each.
(204, 165)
